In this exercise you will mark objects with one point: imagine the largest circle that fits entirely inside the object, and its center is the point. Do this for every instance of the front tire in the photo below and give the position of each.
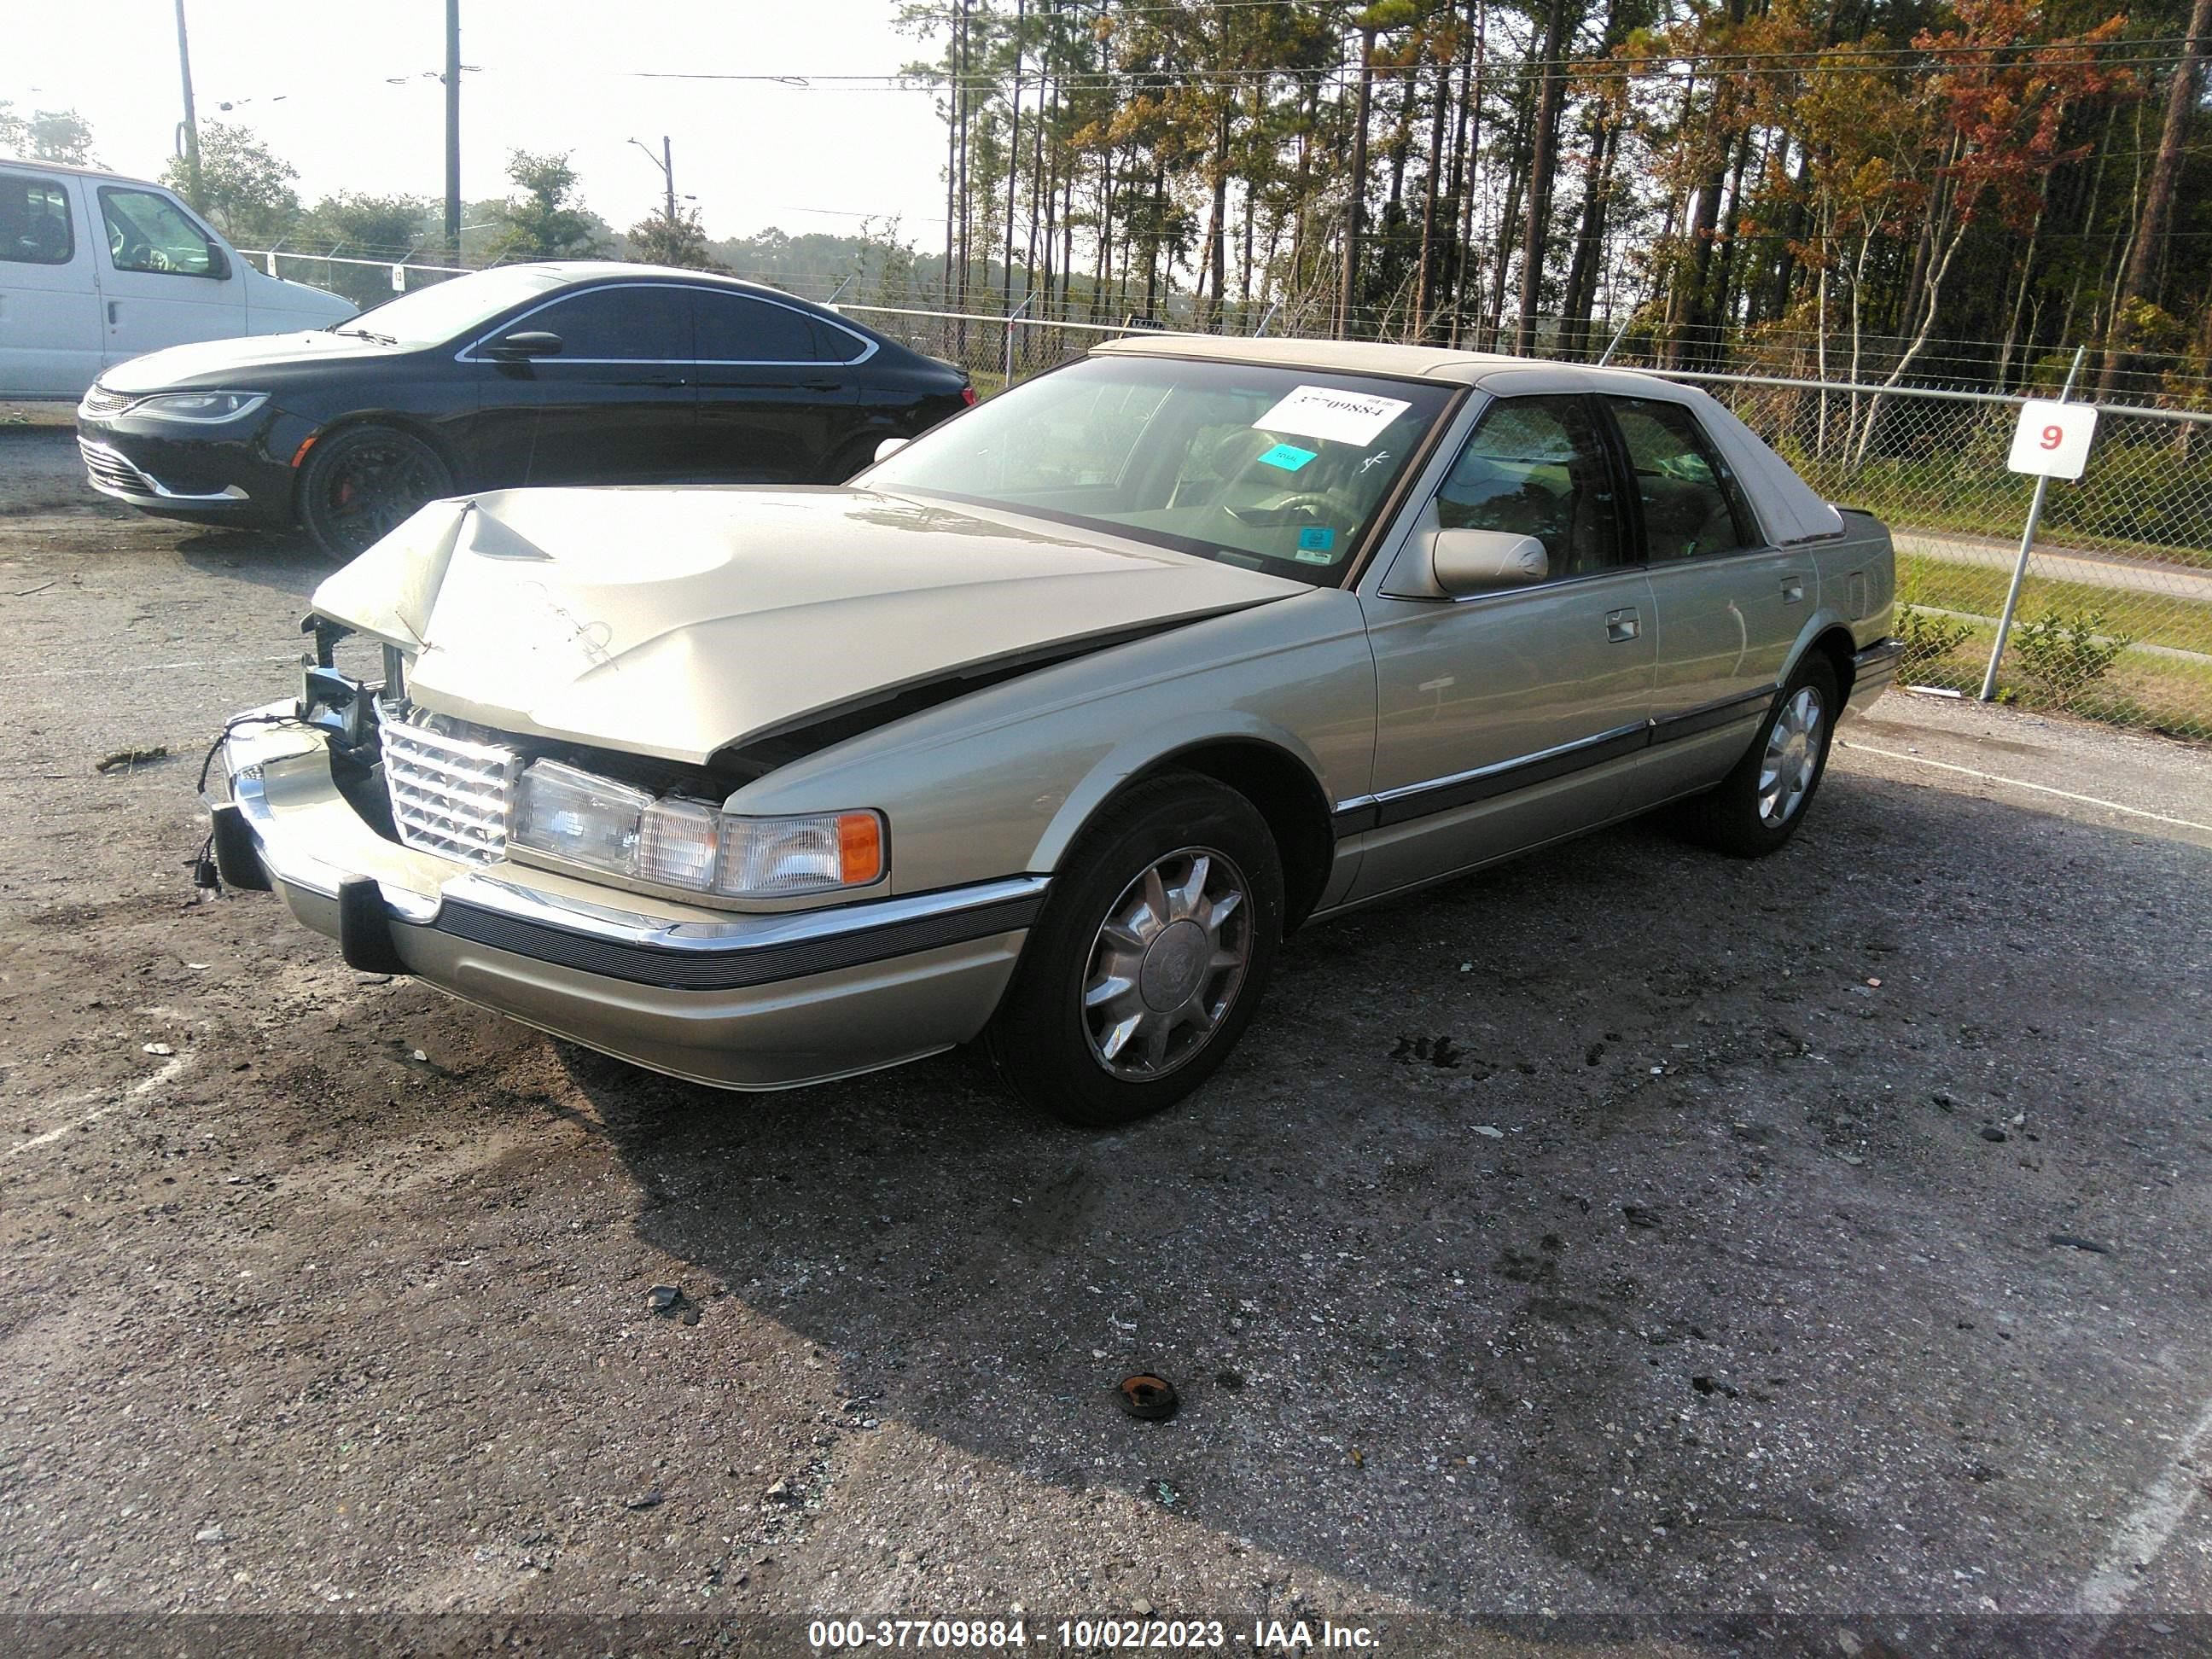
(362, 483)
(1758, 805)
(1150, 957)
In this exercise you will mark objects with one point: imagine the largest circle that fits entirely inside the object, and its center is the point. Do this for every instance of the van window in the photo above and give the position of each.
(34, 222)
(146, 232)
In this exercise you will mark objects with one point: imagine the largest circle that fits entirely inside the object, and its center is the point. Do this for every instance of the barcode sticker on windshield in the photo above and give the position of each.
(1331, 415)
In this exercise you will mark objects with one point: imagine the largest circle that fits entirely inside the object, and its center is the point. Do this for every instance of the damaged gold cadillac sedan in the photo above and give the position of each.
(1050, 725)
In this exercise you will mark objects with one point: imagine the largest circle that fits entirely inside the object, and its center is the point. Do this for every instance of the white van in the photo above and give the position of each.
(96, 268)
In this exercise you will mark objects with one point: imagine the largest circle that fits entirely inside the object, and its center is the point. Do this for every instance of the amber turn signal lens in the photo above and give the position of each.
(859, 848)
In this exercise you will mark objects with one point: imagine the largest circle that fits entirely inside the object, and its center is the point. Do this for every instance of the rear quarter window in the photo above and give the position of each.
(36, 227)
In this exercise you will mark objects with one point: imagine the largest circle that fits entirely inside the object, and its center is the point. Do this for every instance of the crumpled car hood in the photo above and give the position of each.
(676, 622)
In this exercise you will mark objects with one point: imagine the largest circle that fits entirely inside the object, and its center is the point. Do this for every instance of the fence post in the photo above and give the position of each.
(1265, 318)
(1010, 316)
(2026, 543)
(1614, 344)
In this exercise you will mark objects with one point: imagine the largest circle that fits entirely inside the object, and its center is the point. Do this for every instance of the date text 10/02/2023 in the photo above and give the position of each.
(1266, 1636)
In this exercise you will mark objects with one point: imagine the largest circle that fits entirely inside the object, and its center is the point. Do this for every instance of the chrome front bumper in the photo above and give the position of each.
(765, 1000)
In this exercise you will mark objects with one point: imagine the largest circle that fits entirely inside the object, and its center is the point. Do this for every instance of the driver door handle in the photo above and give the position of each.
(1623, 624)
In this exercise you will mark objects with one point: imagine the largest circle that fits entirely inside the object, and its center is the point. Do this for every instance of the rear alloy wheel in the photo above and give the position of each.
(362, 483)
(1150, 957)
(1760, 804)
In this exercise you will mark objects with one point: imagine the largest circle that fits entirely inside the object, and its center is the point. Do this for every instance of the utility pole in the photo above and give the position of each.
(666, 163)
(191, 122)
(453, 127)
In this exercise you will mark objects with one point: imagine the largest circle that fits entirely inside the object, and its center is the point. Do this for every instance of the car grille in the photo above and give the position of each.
(100, 401)
(107, 468)
(450, 784)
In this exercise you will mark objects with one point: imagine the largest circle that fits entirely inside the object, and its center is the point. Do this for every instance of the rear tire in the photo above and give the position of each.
(844, 462)
(362, 483)
(1756, 809)
(1150, 957)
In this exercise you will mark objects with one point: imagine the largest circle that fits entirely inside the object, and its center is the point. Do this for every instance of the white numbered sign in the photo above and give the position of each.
(2052, 440)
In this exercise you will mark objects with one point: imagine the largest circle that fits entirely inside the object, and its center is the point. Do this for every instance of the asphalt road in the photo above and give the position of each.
(1628, 1232)
(2174, 581)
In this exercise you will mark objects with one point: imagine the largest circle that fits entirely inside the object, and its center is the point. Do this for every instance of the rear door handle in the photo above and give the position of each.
(1793, 590)
(1622, 625)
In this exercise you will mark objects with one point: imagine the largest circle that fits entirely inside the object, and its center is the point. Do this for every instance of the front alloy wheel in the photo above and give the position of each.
(362, 483)
(1151, 955)
(1167, 963)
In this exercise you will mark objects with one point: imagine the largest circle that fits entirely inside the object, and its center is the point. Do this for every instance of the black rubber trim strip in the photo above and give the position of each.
(237, 853)
(1444, 797)
(365, 928)
(1711, 716)
(1886, 654)
(734, 970)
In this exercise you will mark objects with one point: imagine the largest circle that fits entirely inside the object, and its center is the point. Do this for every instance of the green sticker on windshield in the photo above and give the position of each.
(1288, 456)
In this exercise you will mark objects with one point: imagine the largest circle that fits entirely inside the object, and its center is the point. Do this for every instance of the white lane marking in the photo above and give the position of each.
(2019, 783)
(209, 662)
(145, 1085)
(2136, 1542)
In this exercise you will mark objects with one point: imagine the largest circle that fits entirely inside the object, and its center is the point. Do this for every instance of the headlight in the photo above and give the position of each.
(590, 820)
(201, 408)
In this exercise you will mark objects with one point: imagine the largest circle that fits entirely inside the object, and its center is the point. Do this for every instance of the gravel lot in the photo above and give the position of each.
(1627, 1232)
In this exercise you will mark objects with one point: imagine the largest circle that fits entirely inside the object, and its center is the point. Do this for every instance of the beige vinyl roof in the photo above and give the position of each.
(1376, 357)
(1789, 509)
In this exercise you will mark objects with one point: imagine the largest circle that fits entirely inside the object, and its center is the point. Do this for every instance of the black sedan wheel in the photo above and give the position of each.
(364, 483)
(1150, 957)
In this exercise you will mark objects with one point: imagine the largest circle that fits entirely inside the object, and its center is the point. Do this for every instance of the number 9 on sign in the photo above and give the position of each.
(2052, 439)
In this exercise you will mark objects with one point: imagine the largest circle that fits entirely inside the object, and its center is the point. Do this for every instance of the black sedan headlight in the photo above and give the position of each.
(197, 408)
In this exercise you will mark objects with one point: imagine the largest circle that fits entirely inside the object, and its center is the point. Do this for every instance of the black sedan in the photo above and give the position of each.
(540, 374)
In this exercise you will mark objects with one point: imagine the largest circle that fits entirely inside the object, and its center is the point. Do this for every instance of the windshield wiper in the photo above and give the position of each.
(368, 334)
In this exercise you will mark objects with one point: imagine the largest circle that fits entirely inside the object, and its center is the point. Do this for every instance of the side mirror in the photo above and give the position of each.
(520, 348)
(1466, 561)
(890, 446)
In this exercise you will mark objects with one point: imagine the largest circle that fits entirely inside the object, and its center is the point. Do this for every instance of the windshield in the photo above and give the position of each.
(432, 316)
(1280, 469)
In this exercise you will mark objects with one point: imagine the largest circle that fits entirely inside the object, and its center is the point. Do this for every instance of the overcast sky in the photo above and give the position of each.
(314, 80)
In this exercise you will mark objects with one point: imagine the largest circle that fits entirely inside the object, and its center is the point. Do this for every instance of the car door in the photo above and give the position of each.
(1505, 718)
(49, 329)
(1729, 604)
(164, 278)
(777, 391)
(615, 405)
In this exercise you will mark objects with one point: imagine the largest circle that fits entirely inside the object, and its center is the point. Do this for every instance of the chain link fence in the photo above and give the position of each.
(2114, 619)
